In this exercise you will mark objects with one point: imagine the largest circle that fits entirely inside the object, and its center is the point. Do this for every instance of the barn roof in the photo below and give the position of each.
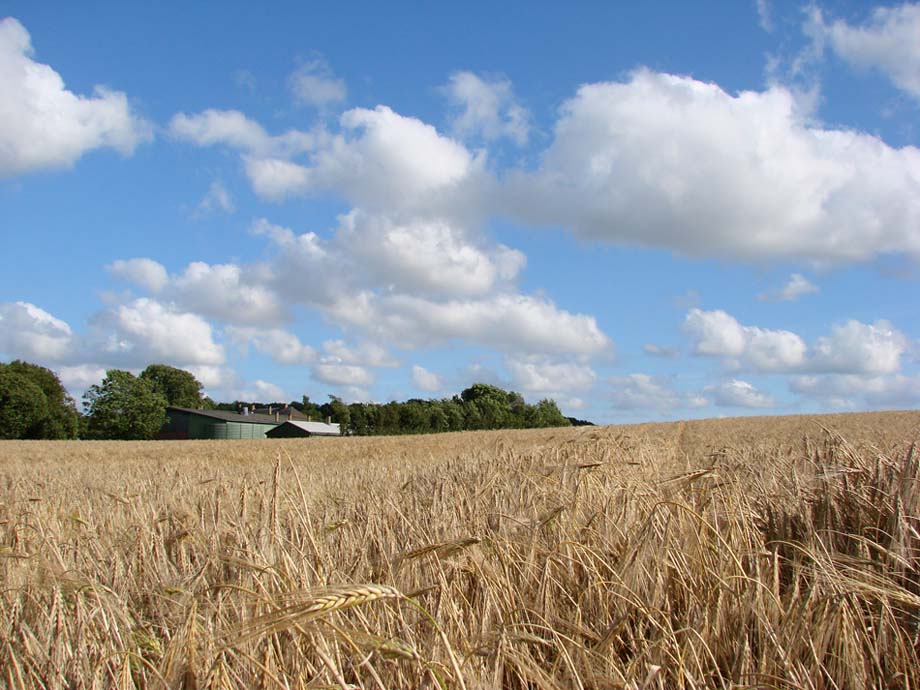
(226, 416)
(315, 428)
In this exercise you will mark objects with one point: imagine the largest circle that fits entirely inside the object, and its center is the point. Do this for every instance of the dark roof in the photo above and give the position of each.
(284, 413)
(226, 416)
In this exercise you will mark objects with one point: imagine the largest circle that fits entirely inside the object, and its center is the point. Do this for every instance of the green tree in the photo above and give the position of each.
(23, 406)
(179, 387)
(124, 407)
(54, 418)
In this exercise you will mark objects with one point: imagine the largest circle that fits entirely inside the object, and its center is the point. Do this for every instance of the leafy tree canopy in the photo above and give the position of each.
(124, 407)
(179, 387)
(34, 404)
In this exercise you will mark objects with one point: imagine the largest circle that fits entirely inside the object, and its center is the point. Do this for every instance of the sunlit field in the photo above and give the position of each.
(762, 552)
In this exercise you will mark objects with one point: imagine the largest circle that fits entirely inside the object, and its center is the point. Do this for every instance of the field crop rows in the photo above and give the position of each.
(740, 553)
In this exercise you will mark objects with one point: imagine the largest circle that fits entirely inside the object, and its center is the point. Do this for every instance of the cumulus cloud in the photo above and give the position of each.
(147, 273)
(795, 287)
(78, 378)
(263, 391)
(30, 333)
(43, 125)
(232, 128)
(367, 354)
(507, 321)
(736, 393)
(644, 392)
(432, 256)
(425, 380)
(536, 374)
(718, 334)
(849, 391)
(887, 42)
(668, 161)
(226, 292)
(233, 294)
(486, 108)
(342, 374)
(282, 346)
(855, 347)
(144, 331)
(851, 347)
(315, 85)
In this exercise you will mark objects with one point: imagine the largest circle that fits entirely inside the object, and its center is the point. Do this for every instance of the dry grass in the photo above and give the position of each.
(743, 553)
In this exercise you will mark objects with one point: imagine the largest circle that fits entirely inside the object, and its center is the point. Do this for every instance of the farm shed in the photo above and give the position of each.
(300, 429)
(185, 422)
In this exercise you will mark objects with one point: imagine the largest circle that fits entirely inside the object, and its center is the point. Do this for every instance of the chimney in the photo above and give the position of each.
(276, 416)
(269, 410)
(328, 420)
(309, 417)
(245, 411)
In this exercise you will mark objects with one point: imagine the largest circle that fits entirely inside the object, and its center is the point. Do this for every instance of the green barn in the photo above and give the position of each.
(215, 424)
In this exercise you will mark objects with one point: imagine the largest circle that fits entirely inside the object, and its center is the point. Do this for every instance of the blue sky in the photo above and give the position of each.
(657, 211)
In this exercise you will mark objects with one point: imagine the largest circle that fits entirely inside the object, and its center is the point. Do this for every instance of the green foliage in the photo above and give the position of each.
(180, 388)
(34, 404)
(124, 407)
(481, 406)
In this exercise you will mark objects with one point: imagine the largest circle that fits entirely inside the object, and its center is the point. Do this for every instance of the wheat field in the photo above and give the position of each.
(746, 553)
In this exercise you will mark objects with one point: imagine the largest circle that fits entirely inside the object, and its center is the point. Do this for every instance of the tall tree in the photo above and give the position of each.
(124, 407)
(22, 404)
(55, 418)
(179, 387)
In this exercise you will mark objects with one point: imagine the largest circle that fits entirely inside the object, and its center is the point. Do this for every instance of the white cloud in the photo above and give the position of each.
(282, 346)
(718, 334)
(342, 374)
(852, 347)
(855, 347)
(275, 178)
(367, 354)
(425, 380)
(211, 377)
(486, 109)
(429, 256)
(514, 322)
(144, 331)
(217, 199)
(232, 128)
(536, 374)
(77, 379)
(43, 125)
(226, 292)
(888, 42)
(644, 392)
(314, 84)
(735, 393)
(32, 334)
(672, 162)
(390, 160)
(147, 273)
(849, 391)
(262, 391)
(795, 287)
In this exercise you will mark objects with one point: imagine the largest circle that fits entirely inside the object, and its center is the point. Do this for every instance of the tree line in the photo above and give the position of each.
(35, 405)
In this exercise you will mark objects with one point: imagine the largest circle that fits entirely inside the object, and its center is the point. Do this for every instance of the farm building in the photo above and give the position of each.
(187, 423)
(301, 429)
(184, 422)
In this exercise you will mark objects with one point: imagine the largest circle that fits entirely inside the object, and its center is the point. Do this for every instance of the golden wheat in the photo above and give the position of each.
(775, 552)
